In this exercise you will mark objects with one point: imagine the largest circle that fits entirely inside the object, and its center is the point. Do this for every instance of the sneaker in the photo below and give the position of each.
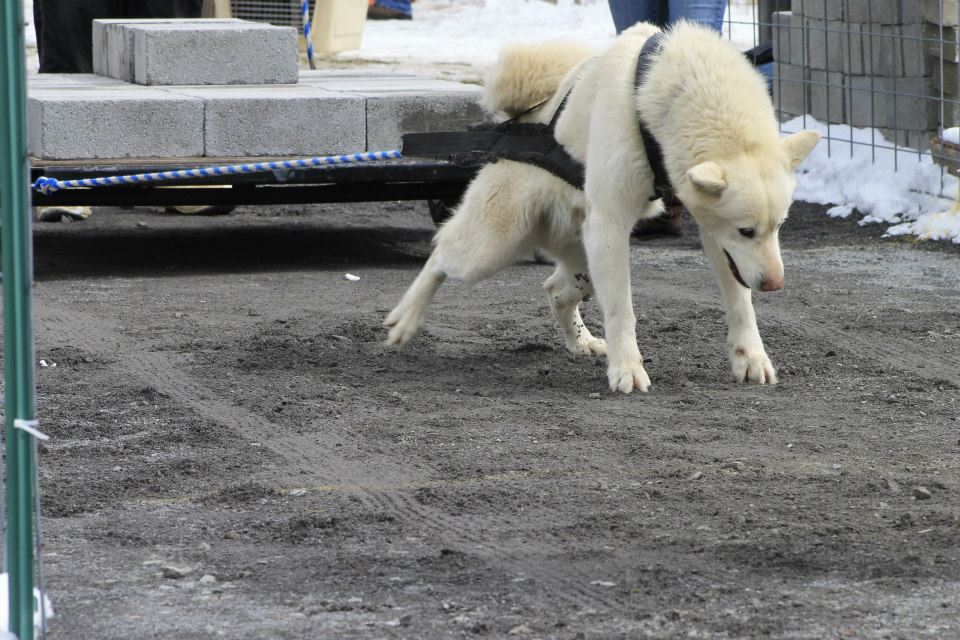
(62, 214)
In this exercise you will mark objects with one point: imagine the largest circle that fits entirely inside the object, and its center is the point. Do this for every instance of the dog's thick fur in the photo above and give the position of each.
(711, 113)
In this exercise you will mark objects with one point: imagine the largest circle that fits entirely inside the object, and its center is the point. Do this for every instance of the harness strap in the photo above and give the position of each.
(527, 142)
(662, 186)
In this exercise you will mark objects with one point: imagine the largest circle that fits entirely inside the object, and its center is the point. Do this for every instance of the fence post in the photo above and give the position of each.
(765, 10)
(17, 318)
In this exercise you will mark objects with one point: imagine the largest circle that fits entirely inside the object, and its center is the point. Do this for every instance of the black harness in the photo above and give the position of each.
(662, 187)
(536, 144)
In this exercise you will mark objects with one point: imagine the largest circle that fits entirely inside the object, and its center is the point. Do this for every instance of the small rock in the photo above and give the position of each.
(594, 396)
(603, 583)
(178, 314)
(602, 485)
(696, 475)
(175, 573)
(520, 630)
(830, 354)
(298, 492)
(544, 370)
(406, 620)
(142, 225)
(735, 465)
(231, 535)
(351, 277)
(906, 520)
(892, 485)
(204, 546)
(87, 359)
(208, 578)
(922, 493)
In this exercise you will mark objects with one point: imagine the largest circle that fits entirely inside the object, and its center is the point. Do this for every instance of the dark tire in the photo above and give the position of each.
(441, 210)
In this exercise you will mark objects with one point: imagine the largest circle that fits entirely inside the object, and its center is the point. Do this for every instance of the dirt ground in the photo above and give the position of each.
(222, 404)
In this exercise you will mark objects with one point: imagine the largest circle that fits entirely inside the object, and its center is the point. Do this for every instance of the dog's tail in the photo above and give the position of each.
(527, 74)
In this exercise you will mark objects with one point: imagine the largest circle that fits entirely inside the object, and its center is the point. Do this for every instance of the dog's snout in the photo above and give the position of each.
(772, 284)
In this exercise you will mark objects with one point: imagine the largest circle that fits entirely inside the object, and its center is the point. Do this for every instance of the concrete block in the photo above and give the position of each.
(790, 95)
(69, 80)
(404, 104)
(827, 99)
(390, 115)
(895, 50)
(789, 38)
(854, 51)
(888, 12)
(288, 120)
(104, 122)
(915, 140)
(826, 44)
(950, 16)
(892, 103)
(196, 52)
(242, 53)
(113, 44)
(942, 43)
(818, 9)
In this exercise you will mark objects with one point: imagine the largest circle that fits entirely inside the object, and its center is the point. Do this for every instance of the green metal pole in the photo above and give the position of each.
(17, 316)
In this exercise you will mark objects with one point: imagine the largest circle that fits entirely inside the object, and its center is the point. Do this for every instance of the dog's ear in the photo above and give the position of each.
(709, 177)
(799, 145)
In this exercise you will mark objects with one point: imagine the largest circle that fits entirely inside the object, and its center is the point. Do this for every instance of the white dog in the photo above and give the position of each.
(708, 108)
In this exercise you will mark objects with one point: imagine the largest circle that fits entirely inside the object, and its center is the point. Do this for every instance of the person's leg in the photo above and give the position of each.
(707, 12)
(627, 13)
(65, 33)
(380, 9)
(164, 8)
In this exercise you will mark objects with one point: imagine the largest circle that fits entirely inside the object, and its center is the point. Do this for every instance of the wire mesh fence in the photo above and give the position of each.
(881, 76)
(283, 13)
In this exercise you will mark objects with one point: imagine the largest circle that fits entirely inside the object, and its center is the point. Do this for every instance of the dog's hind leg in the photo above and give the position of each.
(569, 286)
(490, 230)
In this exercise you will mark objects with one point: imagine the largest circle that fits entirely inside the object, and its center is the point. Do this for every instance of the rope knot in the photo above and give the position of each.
(46, 185)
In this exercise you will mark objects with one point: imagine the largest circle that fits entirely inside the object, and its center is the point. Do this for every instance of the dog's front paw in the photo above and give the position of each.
(752, 364)
(626, 378)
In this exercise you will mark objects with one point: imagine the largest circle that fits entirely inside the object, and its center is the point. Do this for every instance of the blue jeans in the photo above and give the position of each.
(627, 13)
(403, 6)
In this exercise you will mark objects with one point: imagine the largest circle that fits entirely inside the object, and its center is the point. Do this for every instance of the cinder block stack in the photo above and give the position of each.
(868, 63)
(226, 88)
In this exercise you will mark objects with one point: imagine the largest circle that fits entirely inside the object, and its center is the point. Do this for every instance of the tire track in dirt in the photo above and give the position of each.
(155, 368)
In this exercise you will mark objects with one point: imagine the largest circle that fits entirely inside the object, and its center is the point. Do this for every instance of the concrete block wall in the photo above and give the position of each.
(92, 117)
(227, 88)
(877, 63)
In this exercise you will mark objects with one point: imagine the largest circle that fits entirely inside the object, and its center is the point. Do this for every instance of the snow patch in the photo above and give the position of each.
(5, 614)
(901, 188)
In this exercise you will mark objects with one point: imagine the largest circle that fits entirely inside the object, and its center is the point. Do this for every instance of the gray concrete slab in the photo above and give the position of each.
(103, 122)
(113, 43)
(279, 120)
(196, 52)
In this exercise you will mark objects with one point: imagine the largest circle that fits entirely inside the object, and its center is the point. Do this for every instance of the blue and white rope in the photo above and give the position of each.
(305, 10)
(46, 185)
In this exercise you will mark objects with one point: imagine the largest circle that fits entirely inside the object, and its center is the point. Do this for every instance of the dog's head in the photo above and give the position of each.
(741, 202)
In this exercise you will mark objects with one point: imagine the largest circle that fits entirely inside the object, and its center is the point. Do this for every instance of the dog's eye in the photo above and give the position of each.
(747, 233)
